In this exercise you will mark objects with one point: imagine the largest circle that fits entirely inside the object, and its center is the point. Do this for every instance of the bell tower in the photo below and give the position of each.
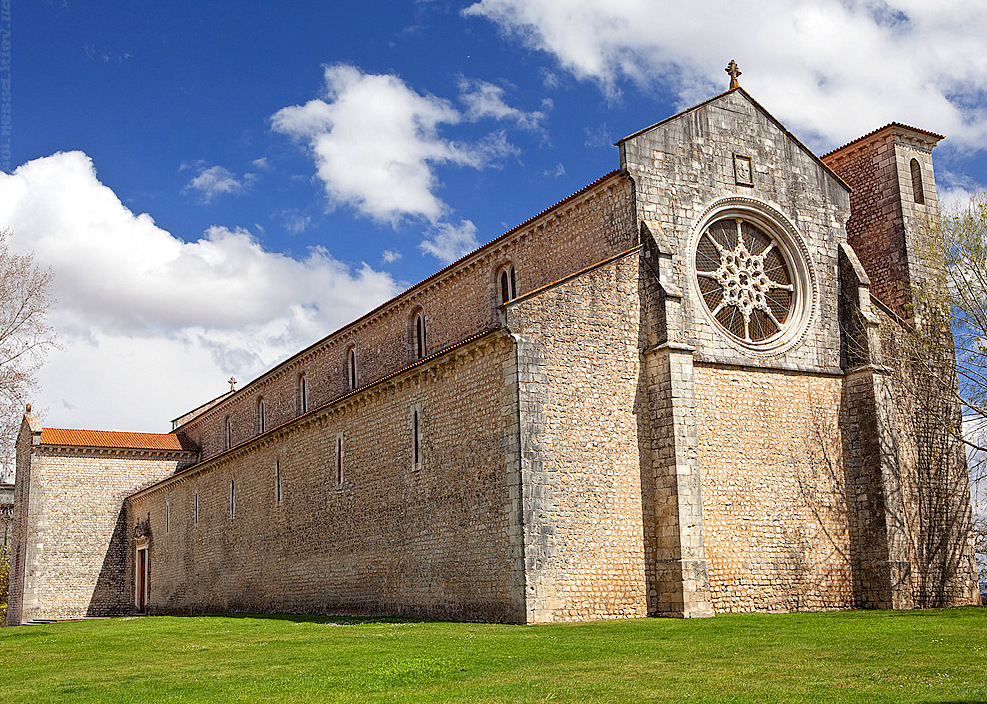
(894, 208)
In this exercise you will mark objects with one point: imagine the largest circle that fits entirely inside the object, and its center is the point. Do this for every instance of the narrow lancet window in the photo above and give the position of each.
(917, 189)
(227, 433)
(339, 460)
(508, 288)
(302, 393)
(351, 367)
(277, 481)
(232, 499)
(261, 415)
(420, 344)
(195, 507)
(416, 440)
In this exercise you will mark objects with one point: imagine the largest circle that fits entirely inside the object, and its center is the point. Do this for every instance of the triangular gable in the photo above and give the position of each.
(760, 109)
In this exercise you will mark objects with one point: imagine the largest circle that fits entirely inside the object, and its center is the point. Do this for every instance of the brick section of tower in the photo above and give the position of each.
(888, 229)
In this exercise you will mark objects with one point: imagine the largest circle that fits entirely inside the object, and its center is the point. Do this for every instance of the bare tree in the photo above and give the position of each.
(25, 337)
(965, 232)
(951, 308)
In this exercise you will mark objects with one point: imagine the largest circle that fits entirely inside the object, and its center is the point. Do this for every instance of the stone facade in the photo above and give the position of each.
(70, 525)
(685, 404)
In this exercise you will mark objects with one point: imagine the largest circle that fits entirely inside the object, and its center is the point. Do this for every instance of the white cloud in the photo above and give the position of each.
(831, 69)
(376, 143)
(955, 190)
(390, 256)
(151, 325)
(484, 99)
(295, 221)
(212, 181)
(448, 242)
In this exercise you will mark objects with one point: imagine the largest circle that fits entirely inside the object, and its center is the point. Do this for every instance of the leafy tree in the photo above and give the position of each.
(25, 337)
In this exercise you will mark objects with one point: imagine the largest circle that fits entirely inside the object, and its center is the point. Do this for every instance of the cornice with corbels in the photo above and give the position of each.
(538, 227)
(430, 367)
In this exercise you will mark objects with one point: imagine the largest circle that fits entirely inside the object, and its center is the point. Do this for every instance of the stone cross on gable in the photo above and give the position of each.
(734, 72)
(232, 383)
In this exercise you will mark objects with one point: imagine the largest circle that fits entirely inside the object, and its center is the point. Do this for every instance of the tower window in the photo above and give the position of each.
(227, 433)
(508, 287)
(302, 393)
(261, 415)
(420, 342)
(195, 507)
(351, 367)
(917, 190)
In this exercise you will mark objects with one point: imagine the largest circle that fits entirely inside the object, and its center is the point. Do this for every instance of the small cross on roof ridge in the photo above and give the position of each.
(734, 72)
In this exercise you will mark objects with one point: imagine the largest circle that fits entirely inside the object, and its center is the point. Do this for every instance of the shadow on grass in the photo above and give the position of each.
(335, 620)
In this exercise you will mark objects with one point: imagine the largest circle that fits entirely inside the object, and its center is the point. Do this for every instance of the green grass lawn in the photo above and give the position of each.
(856, 656)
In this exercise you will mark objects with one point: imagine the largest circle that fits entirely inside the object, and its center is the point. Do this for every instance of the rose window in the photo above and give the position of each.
(745, 279)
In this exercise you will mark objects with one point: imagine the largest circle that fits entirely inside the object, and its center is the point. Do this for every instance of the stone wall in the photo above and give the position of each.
(391, 538)
(685, 170)
(457, 302)
(584, 429)
(774, 502)
(934, 516)
(69, 547)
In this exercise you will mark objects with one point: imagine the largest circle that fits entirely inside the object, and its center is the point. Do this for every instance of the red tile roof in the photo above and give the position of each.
(933, 135)
(110, 438)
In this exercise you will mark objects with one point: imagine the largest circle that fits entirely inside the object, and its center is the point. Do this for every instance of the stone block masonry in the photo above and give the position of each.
(589, 226)
(582, 402)
(774, 494)
(685, 407)
(69, 551)
(390, 538)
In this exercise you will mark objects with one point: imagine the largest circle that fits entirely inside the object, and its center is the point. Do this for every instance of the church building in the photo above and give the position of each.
(672, 393)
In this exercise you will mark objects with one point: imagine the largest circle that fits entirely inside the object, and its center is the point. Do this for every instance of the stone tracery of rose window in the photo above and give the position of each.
(744, 279)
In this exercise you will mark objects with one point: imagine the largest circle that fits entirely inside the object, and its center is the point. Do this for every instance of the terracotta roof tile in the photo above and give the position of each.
(110, 438)
(933, 135)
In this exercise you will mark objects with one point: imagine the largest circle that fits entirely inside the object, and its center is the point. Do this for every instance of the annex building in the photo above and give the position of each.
(673, 393)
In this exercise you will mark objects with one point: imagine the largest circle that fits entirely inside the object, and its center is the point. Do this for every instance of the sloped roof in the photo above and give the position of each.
(899, 125)
(407, 293)
(111, 438)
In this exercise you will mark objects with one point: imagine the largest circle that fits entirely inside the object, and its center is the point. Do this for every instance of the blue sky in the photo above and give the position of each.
(216, 185)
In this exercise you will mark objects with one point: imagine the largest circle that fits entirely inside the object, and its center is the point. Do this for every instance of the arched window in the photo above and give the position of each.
(302, 393)
(227, 433)
(508, 287)
(917, 190)
(351, 366)
(261, 415)
(421, 345)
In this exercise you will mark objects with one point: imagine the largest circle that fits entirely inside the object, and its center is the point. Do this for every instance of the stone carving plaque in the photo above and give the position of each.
(743, 170)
